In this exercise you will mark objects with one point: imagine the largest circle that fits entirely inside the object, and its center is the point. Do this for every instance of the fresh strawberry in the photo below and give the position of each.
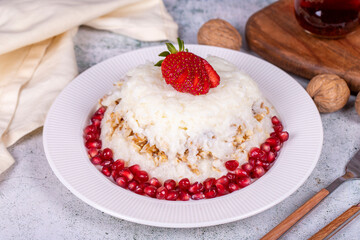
(187, 72)
(213, 76)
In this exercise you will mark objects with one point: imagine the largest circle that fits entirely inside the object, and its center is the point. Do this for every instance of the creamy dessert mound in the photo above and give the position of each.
(173, 135)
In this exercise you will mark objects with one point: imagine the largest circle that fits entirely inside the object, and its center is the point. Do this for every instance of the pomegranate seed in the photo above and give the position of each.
(139, 190)
(266, 166)
(196, 187)
(172, 195)
(273, 134)
(122, 182)
(97, 117)
(198, 196)
(107, 154)
(184, 184)
(107, 162)
(231, 165)
(258, 172)
(96, 123)
(262, 156)
(126, 173)
(118, 165)
(92, 136)
(283, 136)
(271, 157)
(90, 128)
(223, 180)
(233, 187)
(155, 182)
(161, 193)
(114, 173)
(239, 172)
(247, 167)
(96, 160)
(265, 147)
(201, 187)
(221, 189)
(251, 161)
(170, 184)
(273, 141)
(132, 185)
(142, 176)
(93, 144)
(144, 185)
(275, 120)
(277, 148)
(150, 191)
(184, 196)
(134, 168)
(101, 110)
(276, 153)
(278, 128)
(243, 182)
(210, 193)
(231, 177)
(208, 183)
(93, 152)
(254, 152)
(106, 170)
(258, 163)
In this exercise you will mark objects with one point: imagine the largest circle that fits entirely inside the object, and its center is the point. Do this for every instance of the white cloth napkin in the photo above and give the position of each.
(37, 57)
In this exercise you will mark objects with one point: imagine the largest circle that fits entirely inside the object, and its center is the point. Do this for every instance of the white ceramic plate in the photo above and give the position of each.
(68, 159)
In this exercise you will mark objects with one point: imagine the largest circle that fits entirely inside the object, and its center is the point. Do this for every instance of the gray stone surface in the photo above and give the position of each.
(35, 205)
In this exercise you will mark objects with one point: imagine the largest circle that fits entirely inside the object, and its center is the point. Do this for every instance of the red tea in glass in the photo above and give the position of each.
(328, 18)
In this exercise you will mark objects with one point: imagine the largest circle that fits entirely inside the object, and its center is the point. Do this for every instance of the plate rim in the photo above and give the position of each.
(164, 224)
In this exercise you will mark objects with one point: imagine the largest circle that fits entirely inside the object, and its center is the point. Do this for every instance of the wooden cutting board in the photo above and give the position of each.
(275, 35)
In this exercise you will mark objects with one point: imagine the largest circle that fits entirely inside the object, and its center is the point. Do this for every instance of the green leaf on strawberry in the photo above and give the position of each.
(187, 72)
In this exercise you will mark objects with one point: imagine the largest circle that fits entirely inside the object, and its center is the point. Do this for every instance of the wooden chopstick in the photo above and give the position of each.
(337, 224)
(296, 216)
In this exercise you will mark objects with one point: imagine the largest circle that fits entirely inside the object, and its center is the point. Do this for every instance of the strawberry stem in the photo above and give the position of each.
(181, 44)
(158, 64)
(172, 50)
(164, 54)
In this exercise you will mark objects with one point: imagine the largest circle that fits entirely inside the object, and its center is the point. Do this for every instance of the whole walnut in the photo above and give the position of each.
(357, 103)
(220, 33)
(329, 92)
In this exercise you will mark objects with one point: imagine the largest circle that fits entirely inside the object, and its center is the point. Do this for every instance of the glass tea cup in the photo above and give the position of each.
(327, 18)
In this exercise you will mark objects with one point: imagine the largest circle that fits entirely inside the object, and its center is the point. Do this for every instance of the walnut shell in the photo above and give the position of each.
(220, 33)
(357, 103)
(329, 92)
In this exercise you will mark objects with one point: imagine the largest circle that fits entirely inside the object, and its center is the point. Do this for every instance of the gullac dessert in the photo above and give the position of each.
(193, 128)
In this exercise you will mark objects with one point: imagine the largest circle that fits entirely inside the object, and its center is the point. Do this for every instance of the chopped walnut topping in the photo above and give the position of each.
(139, 139)
(246, 137)
(194, 169)
(163, 157)
(203, 154)
(259, 117)
(239, 130)
(215, 169)
(239, 139)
